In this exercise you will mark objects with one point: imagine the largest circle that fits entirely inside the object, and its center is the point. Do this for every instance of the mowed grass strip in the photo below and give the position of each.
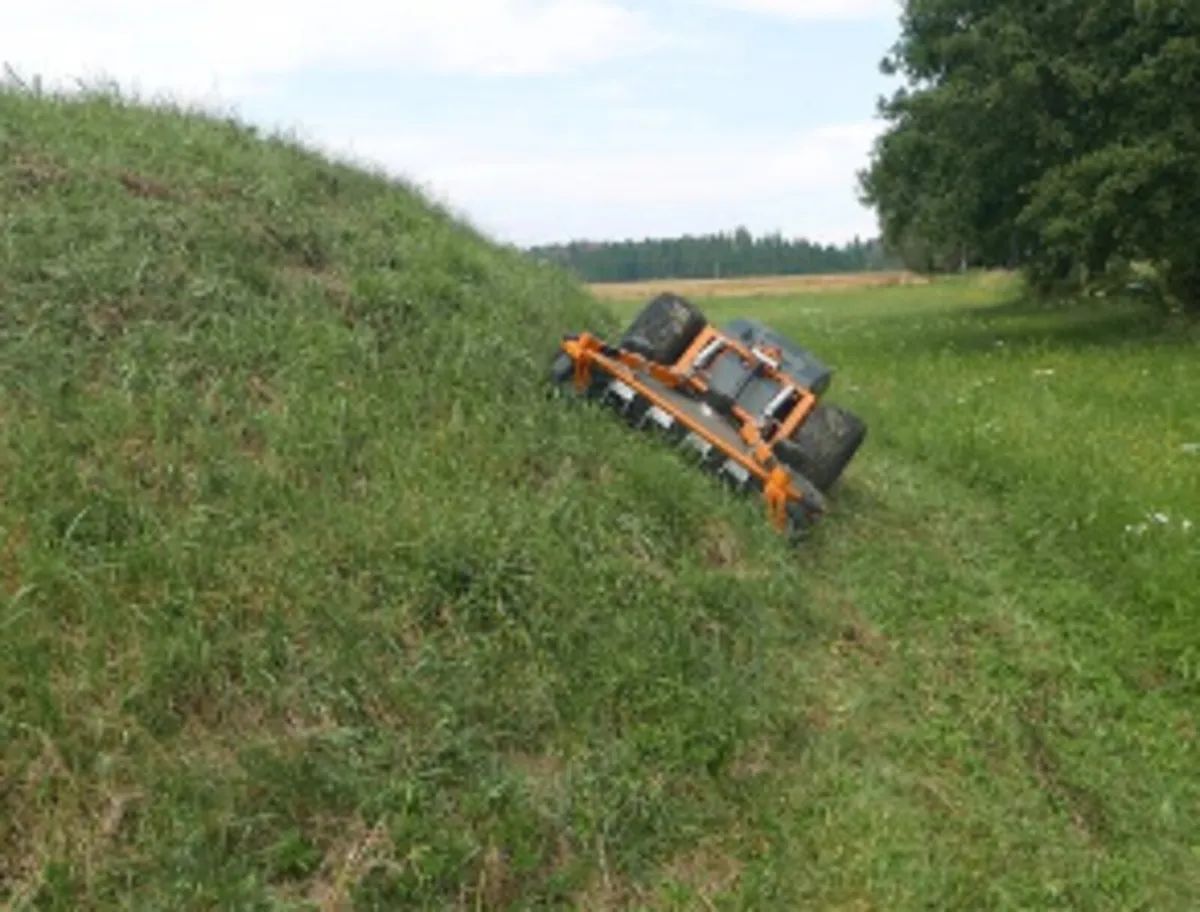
(1008, 718)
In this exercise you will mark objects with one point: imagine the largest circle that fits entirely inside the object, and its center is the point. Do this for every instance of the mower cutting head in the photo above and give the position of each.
(745, 397)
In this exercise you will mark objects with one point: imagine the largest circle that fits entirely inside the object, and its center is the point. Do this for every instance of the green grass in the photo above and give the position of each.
(1009, 718)
(312, 595)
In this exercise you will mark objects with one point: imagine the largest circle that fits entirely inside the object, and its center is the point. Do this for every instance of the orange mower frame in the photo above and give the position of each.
(743, 395)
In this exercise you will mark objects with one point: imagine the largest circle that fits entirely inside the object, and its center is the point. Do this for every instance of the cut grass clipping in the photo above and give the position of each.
(313, 597)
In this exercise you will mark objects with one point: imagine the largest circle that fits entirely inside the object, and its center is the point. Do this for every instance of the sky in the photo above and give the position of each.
(536, 120)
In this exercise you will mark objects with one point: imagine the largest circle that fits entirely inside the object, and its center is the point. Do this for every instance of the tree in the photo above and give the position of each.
(735, 254)
(1059, 138)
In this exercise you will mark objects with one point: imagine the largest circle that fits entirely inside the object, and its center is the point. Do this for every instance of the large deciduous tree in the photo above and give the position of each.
(1063, 138)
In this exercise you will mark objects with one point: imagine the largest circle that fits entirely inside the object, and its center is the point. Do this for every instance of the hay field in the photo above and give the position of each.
(754, 286)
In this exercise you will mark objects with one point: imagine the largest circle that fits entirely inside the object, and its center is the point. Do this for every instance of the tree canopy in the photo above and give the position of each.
(1059, 138)
(736, 253)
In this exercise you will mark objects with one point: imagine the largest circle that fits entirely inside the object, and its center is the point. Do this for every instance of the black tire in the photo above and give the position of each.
(800, 522)
(664, 329)
(562, 368)
(824, 445)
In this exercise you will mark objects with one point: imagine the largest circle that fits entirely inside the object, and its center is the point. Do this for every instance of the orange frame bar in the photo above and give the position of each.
(778, 489)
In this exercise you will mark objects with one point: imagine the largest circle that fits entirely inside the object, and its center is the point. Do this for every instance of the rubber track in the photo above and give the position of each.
(638, 412)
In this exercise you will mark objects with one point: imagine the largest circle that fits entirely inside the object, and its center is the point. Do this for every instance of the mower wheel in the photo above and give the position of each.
(562, 368)
(664, 329)
(824, 445)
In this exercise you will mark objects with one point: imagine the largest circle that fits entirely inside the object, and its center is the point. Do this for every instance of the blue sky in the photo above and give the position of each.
(537, 120)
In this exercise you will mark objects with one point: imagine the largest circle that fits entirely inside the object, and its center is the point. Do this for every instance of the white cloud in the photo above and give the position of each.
(228, 46)
(814, 9)
(528, 188)
(713, 170)
(615, 160)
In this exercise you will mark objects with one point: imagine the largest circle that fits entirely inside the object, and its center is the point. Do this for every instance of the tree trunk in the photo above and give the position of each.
(1183, 283)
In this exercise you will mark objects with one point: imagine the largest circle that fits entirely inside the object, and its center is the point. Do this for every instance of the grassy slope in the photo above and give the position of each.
(309, 590)
(311, 593)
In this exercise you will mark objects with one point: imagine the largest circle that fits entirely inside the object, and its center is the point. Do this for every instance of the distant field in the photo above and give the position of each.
(752, 286)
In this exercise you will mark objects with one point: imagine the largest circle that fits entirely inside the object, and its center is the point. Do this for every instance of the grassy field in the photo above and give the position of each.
(314, 598)
(1008, 719)
(751, 286)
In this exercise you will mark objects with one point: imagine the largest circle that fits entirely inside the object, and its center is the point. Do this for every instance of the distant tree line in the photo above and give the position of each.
(1061, 139)
(721, 255)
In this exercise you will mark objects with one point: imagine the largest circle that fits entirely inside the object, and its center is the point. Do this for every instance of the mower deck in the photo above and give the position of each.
(630, 387)
(745, 399)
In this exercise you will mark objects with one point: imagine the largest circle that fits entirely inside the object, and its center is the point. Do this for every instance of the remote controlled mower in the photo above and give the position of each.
(747, 399)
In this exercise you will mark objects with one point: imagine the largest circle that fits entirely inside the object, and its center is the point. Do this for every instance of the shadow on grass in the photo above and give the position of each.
(1073, 327)
(854, 509)
(1023, 322)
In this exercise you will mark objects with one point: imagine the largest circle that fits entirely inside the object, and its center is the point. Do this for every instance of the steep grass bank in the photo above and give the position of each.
(309, 591)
